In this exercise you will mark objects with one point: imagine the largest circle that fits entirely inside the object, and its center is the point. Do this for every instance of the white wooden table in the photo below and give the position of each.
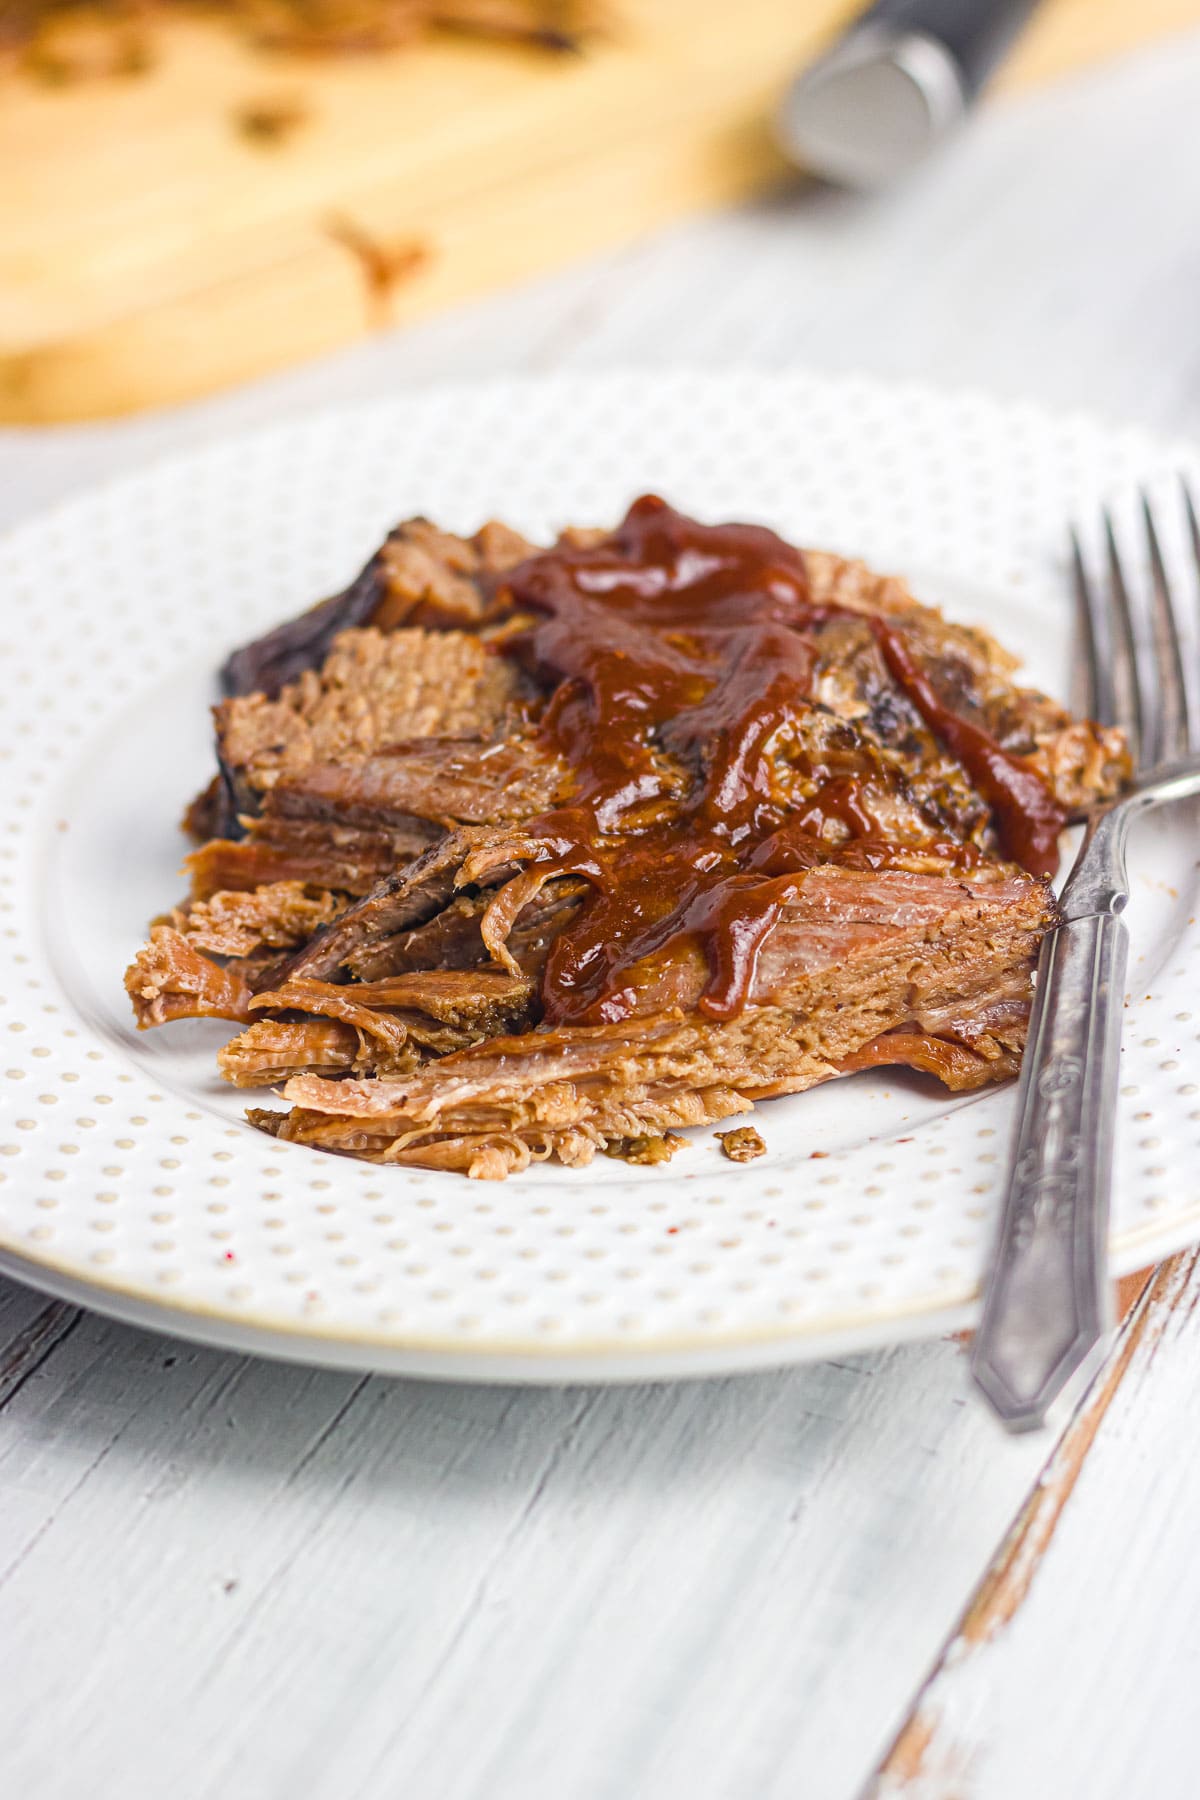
(224, 1579)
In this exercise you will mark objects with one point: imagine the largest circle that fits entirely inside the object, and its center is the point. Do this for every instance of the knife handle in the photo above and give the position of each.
(975, 33)
(1046, 1307)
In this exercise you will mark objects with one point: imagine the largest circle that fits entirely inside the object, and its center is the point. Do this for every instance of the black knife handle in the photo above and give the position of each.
(975, 32)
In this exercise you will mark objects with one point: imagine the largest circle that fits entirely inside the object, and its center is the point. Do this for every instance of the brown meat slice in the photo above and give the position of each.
(277, 915)
(227, 923)
(538, 924)
(387, 1034)
(956, 1065)
(204, 816)
(485, 1155)
(170, 979)
(1082, 762)
(449, 940)
(452, 939)
(383, 1027)
(272, 1050)
(374, 690)
(858, 957)
(486, 1000)
(323, 853)
(482, 1003)
(420, 576)
(432, 578)
(445, 782)
(404, 899)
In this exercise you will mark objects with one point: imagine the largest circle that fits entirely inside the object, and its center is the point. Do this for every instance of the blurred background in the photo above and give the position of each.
(198, 197)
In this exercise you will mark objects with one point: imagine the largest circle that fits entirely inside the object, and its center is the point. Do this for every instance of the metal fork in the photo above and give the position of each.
(1047, 1302)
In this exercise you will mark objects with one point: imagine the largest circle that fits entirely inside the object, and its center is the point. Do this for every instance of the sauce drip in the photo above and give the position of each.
(1028, 817)
(680, 662)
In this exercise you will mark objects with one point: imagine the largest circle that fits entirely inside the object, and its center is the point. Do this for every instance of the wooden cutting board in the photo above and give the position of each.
(154, 247)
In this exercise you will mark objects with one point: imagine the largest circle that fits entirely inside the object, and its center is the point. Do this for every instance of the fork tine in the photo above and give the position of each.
(1191, 666)
(1095, 630)
(1168, 653)
(1189, 508)
(1135, 695)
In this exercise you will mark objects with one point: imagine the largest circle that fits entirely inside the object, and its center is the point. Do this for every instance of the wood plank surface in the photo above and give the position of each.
(1066, 1588)
(335, 1587)
(150, 251)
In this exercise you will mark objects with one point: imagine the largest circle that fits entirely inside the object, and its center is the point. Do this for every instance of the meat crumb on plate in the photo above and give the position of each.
(742, 1145)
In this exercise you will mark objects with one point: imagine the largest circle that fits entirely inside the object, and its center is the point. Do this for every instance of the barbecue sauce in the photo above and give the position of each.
(1028, 817)
(680, 659)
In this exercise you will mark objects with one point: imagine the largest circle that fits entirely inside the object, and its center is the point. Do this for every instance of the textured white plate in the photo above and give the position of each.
(128, 1178)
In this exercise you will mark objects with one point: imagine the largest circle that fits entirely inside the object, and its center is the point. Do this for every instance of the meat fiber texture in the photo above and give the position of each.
(368, 908)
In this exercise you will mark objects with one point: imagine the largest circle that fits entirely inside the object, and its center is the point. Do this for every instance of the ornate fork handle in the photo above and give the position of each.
(1047, 1302)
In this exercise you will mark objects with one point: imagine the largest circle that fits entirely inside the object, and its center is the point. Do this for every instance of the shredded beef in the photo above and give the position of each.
(390, 883)
(414, 893)
(170, 979)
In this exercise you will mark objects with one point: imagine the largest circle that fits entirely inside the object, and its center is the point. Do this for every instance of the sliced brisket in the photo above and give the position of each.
(845, 980)
(472, 920)
(407, 898)
(420, 576)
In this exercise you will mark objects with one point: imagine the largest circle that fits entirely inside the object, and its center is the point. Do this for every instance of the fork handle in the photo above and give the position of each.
(1047, 1304)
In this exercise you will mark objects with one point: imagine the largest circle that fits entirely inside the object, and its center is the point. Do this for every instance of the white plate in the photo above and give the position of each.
(128, 1178)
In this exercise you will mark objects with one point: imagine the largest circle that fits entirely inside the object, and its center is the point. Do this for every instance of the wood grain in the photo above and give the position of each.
(945, 1739)
(150, 251)
(339, 1587)
(25, 1352)
(30, 1327)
